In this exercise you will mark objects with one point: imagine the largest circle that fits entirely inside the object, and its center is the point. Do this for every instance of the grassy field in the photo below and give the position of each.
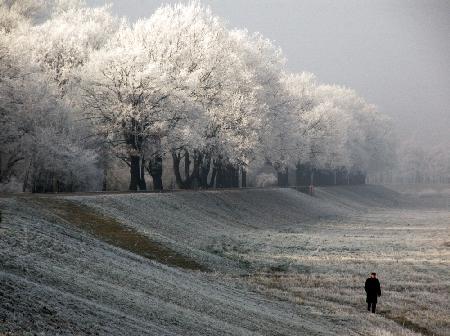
(250, 262)
(325, 265)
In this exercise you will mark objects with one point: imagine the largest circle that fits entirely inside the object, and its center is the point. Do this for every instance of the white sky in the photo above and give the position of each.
(395, 53)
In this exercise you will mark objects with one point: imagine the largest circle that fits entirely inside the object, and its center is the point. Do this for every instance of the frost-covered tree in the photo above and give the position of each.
(199, 53)
(80, 87)
(337, 133)
(273, 104)
(126, 94)
(173, 83)
(64, 42)
(207, 60)
(419, 163)
(41, 147)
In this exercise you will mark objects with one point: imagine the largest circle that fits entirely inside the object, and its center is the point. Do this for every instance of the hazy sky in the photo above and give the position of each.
(395, 53)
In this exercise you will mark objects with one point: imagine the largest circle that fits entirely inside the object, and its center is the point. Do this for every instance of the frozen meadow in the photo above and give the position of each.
(233, 262)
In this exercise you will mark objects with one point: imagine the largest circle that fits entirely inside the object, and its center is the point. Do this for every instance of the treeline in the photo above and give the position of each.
(417, 164)
(180, 92)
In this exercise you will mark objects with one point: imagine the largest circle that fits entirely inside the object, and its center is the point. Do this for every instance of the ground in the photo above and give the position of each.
(242, 262)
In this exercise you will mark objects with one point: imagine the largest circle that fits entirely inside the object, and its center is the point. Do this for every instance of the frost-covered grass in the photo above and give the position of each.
(56, 279)
(324, 266)
(280, 263)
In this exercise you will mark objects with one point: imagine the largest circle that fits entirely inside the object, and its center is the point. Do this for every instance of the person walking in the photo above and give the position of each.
(373, 291)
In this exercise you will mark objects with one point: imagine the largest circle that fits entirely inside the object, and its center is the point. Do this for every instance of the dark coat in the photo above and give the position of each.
(373, 289)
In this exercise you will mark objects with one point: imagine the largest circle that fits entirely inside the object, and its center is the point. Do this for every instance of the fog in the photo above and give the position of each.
(394, 53)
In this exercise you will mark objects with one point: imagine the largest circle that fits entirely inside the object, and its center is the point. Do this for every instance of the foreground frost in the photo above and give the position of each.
(280, 262)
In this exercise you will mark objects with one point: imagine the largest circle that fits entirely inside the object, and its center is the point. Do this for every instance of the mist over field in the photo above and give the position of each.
(224, 167)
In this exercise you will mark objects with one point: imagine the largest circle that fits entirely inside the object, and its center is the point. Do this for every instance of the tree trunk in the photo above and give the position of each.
(286, 177)
(194, 178)
(142, 184)
(135, 172)
(188, 176)
(204, 171)
(227, 176)
(219, 177)
(243, 178)
(157, 182)
(105, 179)
(283, 178)
(302, 174)
(25, 180)
(213, 181)
(222, 174)
(1, 169)
(234, 177)
(155, 169)
(176, 159)
(187, 169)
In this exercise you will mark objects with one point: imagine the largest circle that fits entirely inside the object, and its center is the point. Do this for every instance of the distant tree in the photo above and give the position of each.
(337, 132)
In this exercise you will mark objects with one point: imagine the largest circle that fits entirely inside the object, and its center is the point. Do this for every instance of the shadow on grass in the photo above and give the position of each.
(115, 233)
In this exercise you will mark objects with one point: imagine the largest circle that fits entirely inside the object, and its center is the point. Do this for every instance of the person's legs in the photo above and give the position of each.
(368, 306)
(374, 305)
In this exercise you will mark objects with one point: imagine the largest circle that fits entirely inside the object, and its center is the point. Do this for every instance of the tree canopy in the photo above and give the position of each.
(82, 90)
